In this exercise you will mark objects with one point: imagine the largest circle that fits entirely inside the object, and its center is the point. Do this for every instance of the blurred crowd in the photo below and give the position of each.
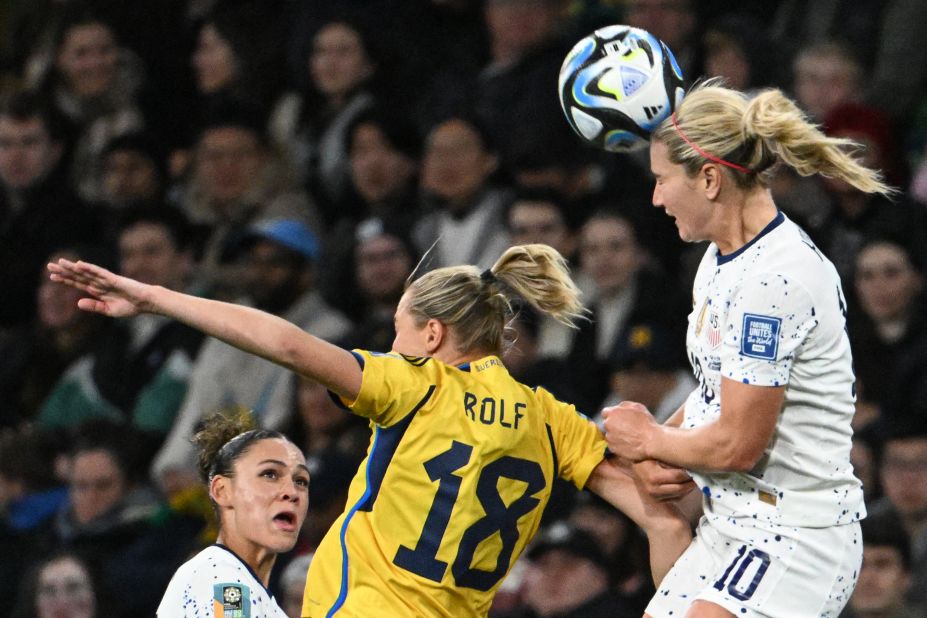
(308, 158)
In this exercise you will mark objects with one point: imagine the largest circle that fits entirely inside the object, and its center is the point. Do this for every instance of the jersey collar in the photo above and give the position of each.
(247, 566)
(776, 222)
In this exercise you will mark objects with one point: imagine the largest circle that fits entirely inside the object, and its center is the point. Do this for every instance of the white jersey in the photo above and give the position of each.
(773, 314)
(216, 583)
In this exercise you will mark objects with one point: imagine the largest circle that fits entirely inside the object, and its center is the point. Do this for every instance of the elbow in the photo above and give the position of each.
(739, 458)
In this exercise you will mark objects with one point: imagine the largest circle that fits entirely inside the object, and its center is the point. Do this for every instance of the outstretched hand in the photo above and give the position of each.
(110, 294)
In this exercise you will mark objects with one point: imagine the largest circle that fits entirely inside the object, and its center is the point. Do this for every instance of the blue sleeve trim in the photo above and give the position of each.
(553, 450)
(334, 397)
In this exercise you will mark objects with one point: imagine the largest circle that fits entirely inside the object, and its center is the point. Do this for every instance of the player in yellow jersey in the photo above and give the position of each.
(463, 456)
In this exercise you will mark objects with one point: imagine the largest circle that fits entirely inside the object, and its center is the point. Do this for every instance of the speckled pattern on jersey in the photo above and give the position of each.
(773, 314)
(217, 584)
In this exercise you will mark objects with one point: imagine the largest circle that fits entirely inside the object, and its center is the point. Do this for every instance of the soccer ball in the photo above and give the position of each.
(617, 84)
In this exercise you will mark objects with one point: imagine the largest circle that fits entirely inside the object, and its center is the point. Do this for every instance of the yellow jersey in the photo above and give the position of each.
(457, 476)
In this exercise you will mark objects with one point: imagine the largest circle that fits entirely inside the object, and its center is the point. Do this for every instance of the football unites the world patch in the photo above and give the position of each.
(231, 600)
(760, 337)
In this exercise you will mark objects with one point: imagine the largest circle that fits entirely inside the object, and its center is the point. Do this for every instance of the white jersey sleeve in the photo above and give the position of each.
(217, 584)
(770, 317)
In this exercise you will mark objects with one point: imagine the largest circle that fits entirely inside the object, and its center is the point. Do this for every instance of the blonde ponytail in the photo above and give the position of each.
(478, 306)
(749, 136)
(782, 126)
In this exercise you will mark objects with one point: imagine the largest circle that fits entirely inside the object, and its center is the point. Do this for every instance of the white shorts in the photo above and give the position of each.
(763, 570)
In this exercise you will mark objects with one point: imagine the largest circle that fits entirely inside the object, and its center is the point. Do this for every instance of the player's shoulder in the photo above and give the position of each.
(209, 562)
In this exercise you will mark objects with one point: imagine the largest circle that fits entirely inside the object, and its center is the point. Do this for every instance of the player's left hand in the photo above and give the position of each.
(629, 426)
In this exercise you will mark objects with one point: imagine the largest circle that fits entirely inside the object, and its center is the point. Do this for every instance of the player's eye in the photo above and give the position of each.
(270, 474)
(302, 481)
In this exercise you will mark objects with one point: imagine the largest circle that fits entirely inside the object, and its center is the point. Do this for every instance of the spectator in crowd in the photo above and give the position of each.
(311, 126)
(513, 92)
(737, 49)
(29, 497)
(624, 546)
(117, 522)
(568, 577)
(38, 211)
(674, 22)
(239, 54)
(885, 577)
(826, 76)
(94, 85)
(62, 585)
(796, 26)
(883, 34)
(626, 290)
(467, 225)
(903, 473)
(649, 367)
(384, 259)
(134, 170)
(140, 375)
(541, 215)
(236, 181)
(889, 333)
(385, 153)
(279, 258)
(36, 354)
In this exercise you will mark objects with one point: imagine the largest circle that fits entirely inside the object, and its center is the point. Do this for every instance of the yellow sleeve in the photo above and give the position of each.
(580, 445)
(393, 385)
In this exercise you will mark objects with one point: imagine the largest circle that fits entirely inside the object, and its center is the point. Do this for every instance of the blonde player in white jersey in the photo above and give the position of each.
(259, 485)
(766, 436)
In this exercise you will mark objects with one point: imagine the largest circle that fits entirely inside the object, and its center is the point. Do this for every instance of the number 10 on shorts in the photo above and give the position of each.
(744, 574)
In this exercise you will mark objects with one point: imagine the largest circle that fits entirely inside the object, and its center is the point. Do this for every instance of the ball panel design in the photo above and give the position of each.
(617, 84)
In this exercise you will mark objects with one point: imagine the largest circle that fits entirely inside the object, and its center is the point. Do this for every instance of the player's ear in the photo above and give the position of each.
(220, 490)
(435, 332)
(710, 180)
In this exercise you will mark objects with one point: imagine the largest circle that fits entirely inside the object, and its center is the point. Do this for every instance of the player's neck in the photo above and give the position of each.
(744, 221)
(258, 558)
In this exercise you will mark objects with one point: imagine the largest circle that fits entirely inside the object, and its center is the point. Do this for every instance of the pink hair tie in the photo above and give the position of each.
(718, 160)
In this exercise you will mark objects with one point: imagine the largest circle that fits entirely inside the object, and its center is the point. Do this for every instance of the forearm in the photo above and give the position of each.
(668, 532)
(265, 335)
(711, 447)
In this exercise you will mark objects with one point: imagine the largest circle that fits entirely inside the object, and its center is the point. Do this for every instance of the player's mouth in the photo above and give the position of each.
(285, 521)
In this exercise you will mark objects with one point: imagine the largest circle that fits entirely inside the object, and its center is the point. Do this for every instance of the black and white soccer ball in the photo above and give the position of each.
(617, 84)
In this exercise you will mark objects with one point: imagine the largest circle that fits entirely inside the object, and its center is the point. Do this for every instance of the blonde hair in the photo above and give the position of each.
(756, 134)
(478, 306)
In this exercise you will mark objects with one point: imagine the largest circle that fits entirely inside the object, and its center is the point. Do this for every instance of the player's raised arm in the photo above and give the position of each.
(246, 328)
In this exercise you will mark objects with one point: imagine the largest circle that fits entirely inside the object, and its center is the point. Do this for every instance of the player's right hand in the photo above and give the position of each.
(112, 295)
(662, 481)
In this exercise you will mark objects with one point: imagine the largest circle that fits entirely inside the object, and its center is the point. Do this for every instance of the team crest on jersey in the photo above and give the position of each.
(760, 337)
(231, 601)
